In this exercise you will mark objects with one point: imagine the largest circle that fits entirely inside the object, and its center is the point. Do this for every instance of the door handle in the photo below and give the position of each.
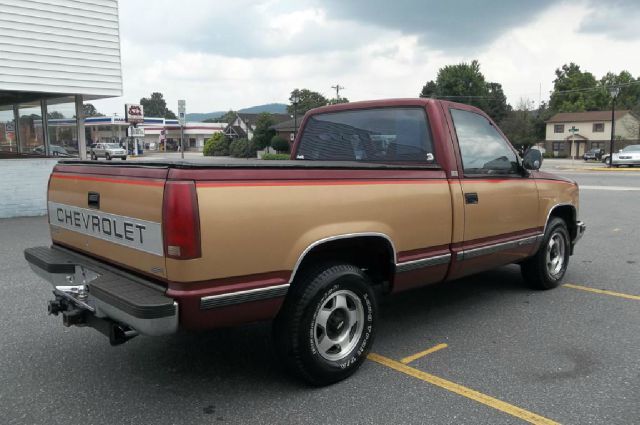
(471, 198)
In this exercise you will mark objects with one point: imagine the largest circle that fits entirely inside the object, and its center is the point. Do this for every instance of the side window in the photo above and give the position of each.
(482, 147)
(397, 135)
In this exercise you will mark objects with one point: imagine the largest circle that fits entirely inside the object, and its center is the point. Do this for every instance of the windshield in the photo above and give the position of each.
(112, 146)
(632, 148)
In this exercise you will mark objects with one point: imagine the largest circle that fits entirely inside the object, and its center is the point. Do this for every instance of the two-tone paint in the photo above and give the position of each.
(258, 223)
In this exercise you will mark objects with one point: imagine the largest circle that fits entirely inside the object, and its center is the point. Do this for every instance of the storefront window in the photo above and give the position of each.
(31, 131)
(62, 127)
(8, 140)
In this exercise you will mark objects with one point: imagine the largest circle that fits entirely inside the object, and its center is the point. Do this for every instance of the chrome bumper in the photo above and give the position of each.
(94, 290)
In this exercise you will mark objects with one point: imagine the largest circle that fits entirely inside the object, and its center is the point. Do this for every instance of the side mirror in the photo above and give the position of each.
(532, 159)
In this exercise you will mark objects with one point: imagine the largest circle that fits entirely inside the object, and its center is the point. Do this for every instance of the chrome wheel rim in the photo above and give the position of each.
(555, 254)
(338, 325)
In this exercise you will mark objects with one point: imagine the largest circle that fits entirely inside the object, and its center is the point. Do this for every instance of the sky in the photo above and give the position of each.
(220, 55)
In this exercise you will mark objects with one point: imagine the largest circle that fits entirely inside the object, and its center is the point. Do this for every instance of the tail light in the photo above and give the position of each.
(181, 220)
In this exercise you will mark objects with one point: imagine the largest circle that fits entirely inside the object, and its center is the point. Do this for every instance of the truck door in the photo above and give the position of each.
(500, 201)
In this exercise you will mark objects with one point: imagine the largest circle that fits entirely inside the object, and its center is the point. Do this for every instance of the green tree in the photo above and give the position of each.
(519, 125)
(263, 133)
(575, 90)
(280, 144)
(242, 148)
(465, 83)
(629, 95)
(217, 145)
(88, 110)
(307, 100)
(156, 106)
(334, 101)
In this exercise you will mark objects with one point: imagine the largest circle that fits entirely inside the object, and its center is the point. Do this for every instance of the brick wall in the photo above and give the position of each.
(23, 186)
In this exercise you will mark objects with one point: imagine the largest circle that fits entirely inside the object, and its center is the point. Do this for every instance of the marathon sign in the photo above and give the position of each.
(133, 113)
(134, 233)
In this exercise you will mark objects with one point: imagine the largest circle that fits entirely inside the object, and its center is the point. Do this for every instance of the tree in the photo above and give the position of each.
(242, 148)
(335, 101)
(88, 110)
(629, 95)
(575, 90)
(465, 83)
(263, 133)
(54, 115)
(519, 126)
(280, 144)
(307, 100)
(156, 106)
(217, 145)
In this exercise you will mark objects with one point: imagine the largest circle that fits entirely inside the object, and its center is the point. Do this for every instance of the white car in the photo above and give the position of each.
(108, 150)
(626, 156)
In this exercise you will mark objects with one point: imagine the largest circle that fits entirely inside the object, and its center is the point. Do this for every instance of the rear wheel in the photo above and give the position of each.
(107, 156)
(327, 324)
(123, 158)
(547, 267)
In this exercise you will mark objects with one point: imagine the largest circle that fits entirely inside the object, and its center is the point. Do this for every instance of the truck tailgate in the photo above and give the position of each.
(110, 212)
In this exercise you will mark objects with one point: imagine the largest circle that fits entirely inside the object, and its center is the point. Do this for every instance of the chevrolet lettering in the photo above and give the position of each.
(378, 197)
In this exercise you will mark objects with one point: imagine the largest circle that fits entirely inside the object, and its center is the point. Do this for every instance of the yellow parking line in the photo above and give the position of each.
(416, 356)
(603, 292)
(463, 391)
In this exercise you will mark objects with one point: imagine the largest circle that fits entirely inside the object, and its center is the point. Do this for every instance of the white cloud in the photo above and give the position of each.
(282, 45)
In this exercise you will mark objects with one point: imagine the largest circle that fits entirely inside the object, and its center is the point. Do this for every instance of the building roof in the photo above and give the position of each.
(237, 130)
(251, 119)
(586, 116)
(288, 125)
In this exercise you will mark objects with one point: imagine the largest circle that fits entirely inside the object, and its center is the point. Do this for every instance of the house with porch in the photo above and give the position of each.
(571, 134)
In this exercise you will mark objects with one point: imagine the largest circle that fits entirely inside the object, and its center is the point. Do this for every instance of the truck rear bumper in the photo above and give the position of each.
(89, 293)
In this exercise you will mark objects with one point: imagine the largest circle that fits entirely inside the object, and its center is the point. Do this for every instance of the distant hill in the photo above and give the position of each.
(272, 108)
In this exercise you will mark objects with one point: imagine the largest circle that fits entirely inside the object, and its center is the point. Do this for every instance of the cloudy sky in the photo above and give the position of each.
(221, 54)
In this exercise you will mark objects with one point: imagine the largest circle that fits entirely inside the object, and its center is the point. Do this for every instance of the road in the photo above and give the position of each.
(570, 355)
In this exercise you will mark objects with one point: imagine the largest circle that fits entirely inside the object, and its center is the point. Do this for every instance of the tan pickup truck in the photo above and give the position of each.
(378, 197)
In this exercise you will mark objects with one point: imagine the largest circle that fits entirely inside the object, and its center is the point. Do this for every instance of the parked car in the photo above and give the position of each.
(379, 197)
(54, 150)
(108, 151)
(593, 154)
(629, 155)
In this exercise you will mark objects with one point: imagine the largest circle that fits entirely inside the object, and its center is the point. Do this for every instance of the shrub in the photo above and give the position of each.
(217, 145)
(275, 156)
(279, 144)
(242, 148)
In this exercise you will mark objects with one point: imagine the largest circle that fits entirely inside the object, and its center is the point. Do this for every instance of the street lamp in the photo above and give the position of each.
(613, 91)
(295, 98)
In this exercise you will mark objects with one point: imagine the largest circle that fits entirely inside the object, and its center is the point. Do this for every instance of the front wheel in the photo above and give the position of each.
(327, 324)
(107, 157)
(547, 267)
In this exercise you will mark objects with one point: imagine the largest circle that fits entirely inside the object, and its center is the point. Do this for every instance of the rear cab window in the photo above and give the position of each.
(482, 147)
(386, 135)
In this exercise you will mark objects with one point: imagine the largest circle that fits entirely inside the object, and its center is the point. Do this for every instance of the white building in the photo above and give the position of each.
(54, 55)
(592, 130)
(159, 133)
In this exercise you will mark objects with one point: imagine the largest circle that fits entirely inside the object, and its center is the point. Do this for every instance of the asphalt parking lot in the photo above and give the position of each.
(482, 350)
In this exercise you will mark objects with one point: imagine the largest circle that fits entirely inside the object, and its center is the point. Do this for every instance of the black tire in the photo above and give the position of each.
(298, 334)
(539, 271)
(93, 157)
(124, 158)
(107, 157)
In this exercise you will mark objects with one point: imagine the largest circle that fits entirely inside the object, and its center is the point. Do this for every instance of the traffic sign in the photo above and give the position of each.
(182, 111)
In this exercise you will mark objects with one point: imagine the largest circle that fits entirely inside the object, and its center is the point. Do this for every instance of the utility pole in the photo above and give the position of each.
(614, 92)
(337, 88)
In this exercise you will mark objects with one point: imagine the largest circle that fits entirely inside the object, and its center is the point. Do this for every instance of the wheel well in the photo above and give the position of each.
(373, 254)
(568, 214)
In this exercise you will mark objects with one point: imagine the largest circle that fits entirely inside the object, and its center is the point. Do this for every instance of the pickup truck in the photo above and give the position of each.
(378, 197)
